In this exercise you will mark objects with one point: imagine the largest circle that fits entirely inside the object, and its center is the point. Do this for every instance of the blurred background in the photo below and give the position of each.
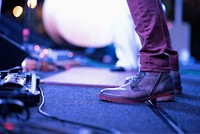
(48, 25)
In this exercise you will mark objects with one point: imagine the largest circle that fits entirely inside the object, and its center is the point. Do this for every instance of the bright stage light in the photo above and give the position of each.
(17, 11)
(164, 7)
(36, 47)
(32, 3)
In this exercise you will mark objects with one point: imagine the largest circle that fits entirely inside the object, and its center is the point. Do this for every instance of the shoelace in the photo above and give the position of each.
(134, 80)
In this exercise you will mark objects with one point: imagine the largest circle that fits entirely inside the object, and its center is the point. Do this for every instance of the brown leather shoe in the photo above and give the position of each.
(143, 87)
(176, 85)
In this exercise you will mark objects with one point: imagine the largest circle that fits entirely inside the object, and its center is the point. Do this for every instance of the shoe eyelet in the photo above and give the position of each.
(133, 85)
(141, 75)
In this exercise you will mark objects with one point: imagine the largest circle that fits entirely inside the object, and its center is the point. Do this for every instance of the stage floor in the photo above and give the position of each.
(72, 97)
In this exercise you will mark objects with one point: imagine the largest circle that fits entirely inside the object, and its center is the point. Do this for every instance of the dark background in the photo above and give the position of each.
(12, 27)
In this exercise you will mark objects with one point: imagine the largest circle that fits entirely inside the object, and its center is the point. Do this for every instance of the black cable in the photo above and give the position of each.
(27, 117)
(109, 130)
(163, 115)
(12, 103)
(13, 107)
(24, 107)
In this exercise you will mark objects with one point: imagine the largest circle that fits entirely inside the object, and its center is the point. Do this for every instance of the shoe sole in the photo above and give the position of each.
(168, 96)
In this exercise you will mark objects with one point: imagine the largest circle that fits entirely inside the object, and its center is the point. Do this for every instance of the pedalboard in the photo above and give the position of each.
(23, 86)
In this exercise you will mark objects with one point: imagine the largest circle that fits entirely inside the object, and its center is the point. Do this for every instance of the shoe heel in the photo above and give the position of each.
(169, 96)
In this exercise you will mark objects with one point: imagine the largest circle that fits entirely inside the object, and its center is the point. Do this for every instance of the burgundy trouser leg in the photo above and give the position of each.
(156, 54)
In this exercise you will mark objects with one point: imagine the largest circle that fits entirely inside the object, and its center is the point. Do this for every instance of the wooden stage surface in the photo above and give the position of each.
(88, 76)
